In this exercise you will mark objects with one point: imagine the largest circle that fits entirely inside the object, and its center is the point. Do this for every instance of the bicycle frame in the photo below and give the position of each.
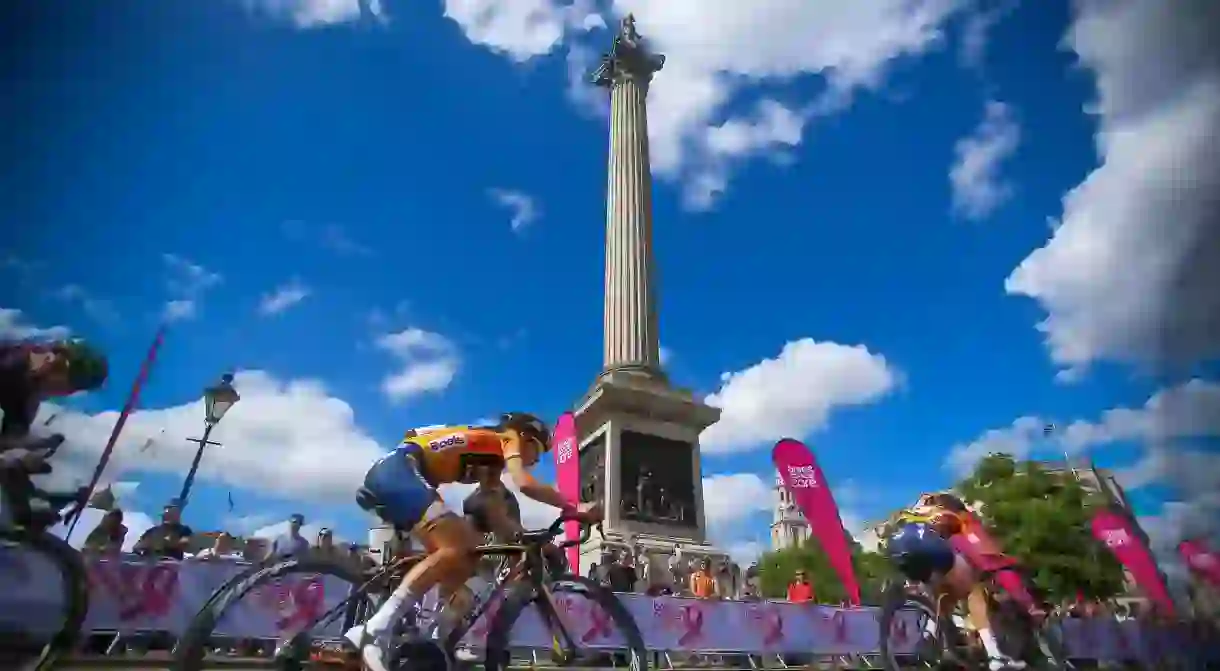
(529, 566)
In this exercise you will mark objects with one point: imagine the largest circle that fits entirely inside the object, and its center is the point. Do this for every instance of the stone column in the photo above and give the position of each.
(631, 342)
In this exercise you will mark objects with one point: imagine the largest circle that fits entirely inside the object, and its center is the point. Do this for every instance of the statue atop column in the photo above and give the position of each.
(628, 56)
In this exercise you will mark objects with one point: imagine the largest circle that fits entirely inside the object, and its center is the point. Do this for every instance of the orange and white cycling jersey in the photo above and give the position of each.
(447, 453)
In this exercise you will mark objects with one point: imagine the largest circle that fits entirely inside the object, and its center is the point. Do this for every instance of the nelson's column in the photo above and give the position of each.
(639, 436)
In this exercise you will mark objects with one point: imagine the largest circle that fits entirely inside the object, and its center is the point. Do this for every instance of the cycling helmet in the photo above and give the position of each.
(87, 366)
(949, 500)
(526, 423)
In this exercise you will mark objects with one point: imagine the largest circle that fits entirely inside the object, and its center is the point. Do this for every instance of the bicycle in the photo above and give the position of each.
(518, 585)
(29, 534)
(1040, 646)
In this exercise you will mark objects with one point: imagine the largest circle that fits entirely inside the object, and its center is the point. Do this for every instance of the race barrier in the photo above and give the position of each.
(130, 595)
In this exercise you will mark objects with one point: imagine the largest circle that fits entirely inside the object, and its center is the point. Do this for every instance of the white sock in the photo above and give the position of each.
(391, 611)
(990, 645)
(930, 629)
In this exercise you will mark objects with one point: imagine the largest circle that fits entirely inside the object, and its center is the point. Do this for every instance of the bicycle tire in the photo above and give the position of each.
(75, 592)
(1048, 640)
(896, 599)
(522, 594)
(191, 649)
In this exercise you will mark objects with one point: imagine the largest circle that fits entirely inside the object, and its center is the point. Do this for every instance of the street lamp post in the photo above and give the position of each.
(217, 400)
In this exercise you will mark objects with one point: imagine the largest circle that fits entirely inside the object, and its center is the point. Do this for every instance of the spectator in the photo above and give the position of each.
(108, 536)
(800, 590)
(620, 575)
(224, 548)
(254, 550)
(726, 580)
(752, 589)
(290, 544)
(359, 558)
(326, 543)
(702, 583)
(169, 539)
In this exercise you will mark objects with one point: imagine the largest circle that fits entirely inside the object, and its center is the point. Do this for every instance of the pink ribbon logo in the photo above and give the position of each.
(899, 632)
(307, 597)
(838, 625)
(141, 590)
(597, 619)
(771, 622)
(297, 602)
(599, 624)
(691, 619)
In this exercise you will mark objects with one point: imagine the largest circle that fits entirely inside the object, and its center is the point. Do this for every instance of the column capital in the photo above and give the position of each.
(629, 58)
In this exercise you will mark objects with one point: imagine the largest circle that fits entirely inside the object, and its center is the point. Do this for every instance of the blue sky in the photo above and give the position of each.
(393, 214)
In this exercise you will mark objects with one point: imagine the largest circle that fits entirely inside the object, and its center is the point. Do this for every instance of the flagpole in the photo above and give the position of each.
(132, 399)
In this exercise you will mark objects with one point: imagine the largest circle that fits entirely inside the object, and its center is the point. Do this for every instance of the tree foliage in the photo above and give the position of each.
(776, 571)
(1043, 519)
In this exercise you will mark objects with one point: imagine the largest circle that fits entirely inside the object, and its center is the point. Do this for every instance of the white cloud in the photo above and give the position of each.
(179, 310)
(1188, 411)
(1019, 439)
(272, 441)
(429, 362)
(283, 298)
(977, 30)
(521, 29)
(98, 309)
(1129, 271)
(720, 50)
(523, 207)
(1167, 426)
(978, 188)
(794, 393)
(745, 552)
(186, 282)
(14, 327)
(318, 13)
(732, 498)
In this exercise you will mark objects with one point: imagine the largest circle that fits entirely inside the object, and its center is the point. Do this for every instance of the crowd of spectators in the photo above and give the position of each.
(171, 539)
(632, 570)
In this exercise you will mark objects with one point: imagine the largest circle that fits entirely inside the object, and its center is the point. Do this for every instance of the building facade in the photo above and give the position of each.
(789, 527)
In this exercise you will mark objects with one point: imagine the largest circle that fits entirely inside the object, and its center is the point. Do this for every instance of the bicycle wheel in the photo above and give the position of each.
(929, 653)
(522, 594)
(28, 655)
(190, 652)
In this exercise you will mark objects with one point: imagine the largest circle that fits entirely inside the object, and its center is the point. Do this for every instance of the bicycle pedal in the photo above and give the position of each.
(421, 656)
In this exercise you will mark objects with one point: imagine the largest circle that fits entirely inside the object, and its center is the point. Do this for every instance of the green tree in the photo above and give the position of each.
(1043, 519)
(776, 570)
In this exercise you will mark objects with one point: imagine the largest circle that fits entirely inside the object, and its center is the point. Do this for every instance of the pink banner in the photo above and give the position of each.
(567, 476)
(133, 399)
(1202, 561)
(804, 479)
(1116, 532)
(131, 595)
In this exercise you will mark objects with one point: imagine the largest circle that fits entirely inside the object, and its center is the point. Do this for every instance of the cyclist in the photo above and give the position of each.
(402, 488)
(923, 549)
(33, 372)
(493, 509)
